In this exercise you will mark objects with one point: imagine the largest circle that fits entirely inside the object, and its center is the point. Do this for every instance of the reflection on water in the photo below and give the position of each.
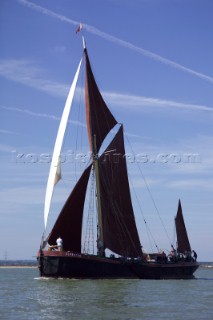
(26, 296)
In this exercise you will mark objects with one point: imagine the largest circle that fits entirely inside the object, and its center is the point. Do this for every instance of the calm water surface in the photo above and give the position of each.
(24, 296)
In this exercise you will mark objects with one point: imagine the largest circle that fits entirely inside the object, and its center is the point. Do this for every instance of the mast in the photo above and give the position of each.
(99, 122)
(100, 240)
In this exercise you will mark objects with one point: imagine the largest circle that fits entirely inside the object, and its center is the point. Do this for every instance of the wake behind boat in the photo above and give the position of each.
(60, 254)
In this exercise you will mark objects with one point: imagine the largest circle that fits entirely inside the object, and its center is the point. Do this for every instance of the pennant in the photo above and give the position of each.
(79, 28)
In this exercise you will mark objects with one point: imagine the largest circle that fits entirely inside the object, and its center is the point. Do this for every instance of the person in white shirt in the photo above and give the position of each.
(59, 242)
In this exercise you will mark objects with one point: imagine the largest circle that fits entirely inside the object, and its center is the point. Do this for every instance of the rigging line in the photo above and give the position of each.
(96, 206)
(43, 241)
(150, 194)
(92, 232)
(149, 233)
(123, 225)
(72, 180)
(65, 184)
(89, 233)
(93, 213)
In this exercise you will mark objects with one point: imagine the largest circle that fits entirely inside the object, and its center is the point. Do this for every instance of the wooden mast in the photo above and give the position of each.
(100, 240)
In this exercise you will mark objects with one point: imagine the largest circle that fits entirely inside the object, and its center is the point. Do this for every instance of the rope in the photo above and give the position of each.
(145, 222)
(150, 194)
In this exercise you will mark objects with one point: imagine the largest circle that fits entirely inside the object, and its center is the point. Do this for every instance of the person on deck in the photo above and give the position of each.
(59, 242)
(173, 254)
(173, 251)
(194, 255)
(164, 257)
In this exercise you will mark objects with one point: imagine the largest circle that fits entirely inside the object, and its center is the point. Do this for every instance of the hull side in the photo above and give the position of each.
(61, 265)
(165, 270)
(83, 266)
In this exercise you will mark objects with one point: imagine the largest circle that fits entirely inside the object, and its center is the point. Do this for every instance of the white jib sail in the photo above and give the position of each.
(55, 167)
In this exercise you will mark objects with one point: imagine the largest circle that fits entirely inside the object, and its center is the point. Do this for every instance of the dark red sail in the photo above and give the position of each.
(68, 226)
(183, 244)
(119, 229)
(99, 119)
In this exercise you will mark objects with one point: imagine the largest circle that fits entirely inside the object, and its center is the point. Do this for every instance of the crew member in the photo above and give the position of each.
(194, 255)
(59, 242)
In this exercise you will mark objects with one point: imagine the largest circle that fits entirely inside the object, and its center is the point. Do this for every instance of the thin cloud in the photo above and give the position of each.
(40, 115)
(25, 72)
(138, 102)
(117, 41)
(31, 113)
(132, 135)
(7, 132)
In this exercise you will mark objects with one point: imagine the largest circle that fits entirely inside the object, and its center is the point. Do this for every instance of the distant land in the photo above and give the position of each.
(33, 263)
(18, 263)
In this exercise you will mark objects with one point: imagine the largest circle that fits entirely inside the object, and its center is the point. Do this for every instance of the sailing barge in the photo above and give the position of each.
(117, 230)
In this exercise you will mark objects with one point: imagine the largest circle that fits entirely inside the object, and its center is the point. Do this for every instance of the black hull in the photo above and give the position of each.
(81, 266)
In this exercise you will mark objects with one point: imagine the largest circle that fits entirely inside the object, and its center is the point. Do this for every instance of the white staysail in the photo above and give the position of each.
(55, 167)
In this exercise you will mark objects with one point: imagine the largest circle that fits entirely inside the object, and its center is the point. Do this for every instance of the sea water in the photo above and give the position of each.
(23, 295)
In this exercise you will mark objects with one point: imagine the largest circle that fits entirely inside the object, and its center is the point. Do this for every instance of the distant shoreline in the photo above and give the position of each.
(18, 267)
(18, 264)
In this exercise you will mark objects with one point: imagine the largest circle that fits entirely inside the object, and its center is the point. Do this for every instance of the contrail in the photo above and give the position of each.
(117, 41)
(40, 115)
(138, 103)
(7, 132)
(141, 102)
(25, 72)
(30, 113)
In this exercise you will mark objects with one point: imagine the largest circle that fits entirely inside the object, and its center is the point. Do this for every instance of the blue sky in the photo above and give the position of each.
(153, 62)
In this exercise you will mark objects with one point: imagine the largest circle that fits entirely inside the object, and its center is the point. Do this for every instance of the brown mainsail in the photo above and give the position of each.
(183, 244)
(119, 228)
(68, 226)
